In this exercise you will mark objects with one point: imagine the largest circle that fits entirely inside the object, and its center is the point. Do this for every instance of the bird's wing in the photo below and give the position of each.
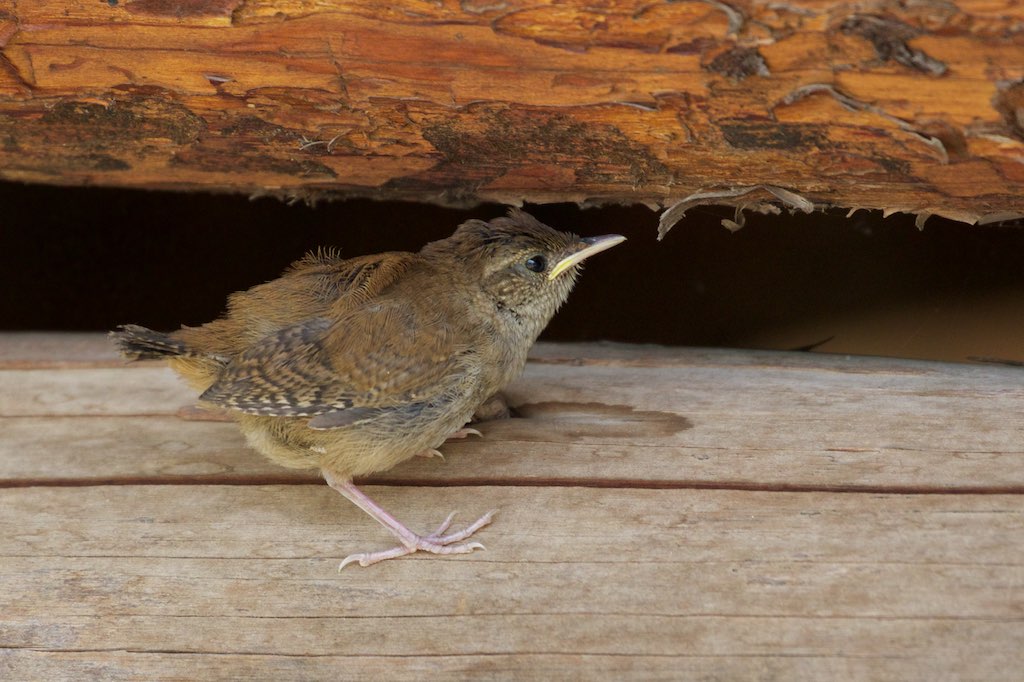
(328, 278)
(321, 284)
(386, 353)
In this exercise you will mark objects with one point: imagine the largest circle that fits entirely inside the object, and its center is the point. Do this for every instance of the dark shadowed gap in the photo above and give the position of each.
(89, 259)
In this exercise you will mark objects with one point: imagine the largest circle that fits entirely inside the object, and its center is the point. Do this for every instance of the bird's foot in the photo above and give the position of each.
(495, 407)
(432, 452)
(435, 543)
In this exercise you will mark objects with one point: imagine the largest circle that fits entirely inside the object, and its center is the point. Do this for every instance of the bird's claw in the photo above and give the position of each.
(465, 433)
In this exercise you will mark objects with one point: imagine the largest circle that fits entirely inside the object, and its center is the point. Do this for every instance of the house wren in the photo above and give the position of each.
(352, 366)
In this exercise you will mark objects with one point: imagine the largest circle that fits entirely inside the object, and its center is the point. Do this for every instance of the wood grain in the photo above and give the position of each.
(806, 583)
(717, 418)
(663, 513)
(913, 107)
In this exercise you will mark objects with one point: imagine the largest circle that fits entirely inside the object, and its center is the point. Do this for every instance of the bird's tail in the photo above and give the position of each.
(139, 343)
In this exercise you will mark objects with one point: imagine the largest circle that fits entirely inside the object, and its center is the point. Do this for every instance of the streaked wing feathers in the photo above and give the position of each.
(378, 355)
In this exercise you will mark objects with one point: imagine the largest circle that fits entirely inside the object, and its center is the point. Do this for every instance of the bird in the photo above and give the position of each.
(351, 366)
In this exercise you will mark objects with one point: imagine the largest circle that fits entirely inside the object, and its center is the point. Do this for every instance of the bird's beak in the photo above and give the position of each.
(585, 248)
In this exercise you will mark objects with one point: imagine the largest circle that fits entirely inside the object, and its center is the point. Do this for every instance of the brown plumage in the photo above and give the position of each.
(352, 366)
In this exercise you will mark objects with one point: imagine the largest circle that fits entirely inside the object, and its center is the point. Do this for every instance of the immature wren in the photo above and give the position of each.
(352, 366)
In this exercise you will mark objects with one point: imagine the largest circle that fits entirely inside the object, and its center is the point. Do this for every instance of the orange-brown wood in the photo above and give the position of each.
(907, 106)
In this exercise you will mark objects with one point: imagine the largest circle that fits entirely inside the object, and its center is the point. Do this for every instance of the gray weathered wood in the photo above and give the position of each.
(931, 582)
(876, 532)
(694, 417)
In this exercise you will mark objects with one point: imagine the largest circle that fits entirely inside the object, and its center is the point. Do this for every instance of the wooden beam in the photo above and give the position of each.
(913, 107)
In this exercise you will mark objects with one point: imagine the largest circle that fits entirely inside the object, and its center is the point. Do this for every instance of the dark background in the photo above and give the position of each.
(89, 259)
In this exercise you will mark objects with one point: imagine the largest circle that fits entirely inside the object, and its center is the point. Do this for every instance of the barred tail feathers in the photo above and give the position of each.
(139, 343)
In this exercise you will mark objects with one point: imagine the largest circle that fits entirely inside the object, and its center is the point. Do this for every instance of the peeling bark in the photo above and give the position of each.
(901, 106)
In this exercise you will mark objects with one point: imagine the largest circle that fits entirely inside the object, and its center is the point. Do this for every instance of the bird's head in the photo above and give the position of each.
(525, 267)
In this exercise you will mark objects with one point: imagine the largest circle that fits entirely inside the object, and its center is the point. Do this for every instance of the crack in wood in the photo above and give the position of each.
(488, 482)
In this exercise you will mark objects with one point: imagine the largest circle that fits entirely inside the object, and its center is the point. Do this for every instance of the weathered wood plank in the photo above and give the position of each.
(119, 665)
(650, 416)
(878, 104)
(602, 562)
(52, 449)
(149, 390)
(156, 449)
(788, 582)
(35, 350)
(684, 528)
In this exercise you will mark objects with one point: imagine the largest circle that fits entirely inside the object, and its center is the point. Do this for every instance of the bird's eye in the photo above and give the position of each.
(536, 263)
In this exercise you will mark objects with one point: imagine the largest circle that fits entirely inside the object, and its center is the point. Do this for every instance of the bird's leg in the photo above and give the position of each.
(435, 543)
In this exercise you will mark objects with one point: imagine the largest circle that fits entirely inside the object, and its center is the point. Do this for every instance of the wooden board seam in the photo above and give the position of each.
(474, 482)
